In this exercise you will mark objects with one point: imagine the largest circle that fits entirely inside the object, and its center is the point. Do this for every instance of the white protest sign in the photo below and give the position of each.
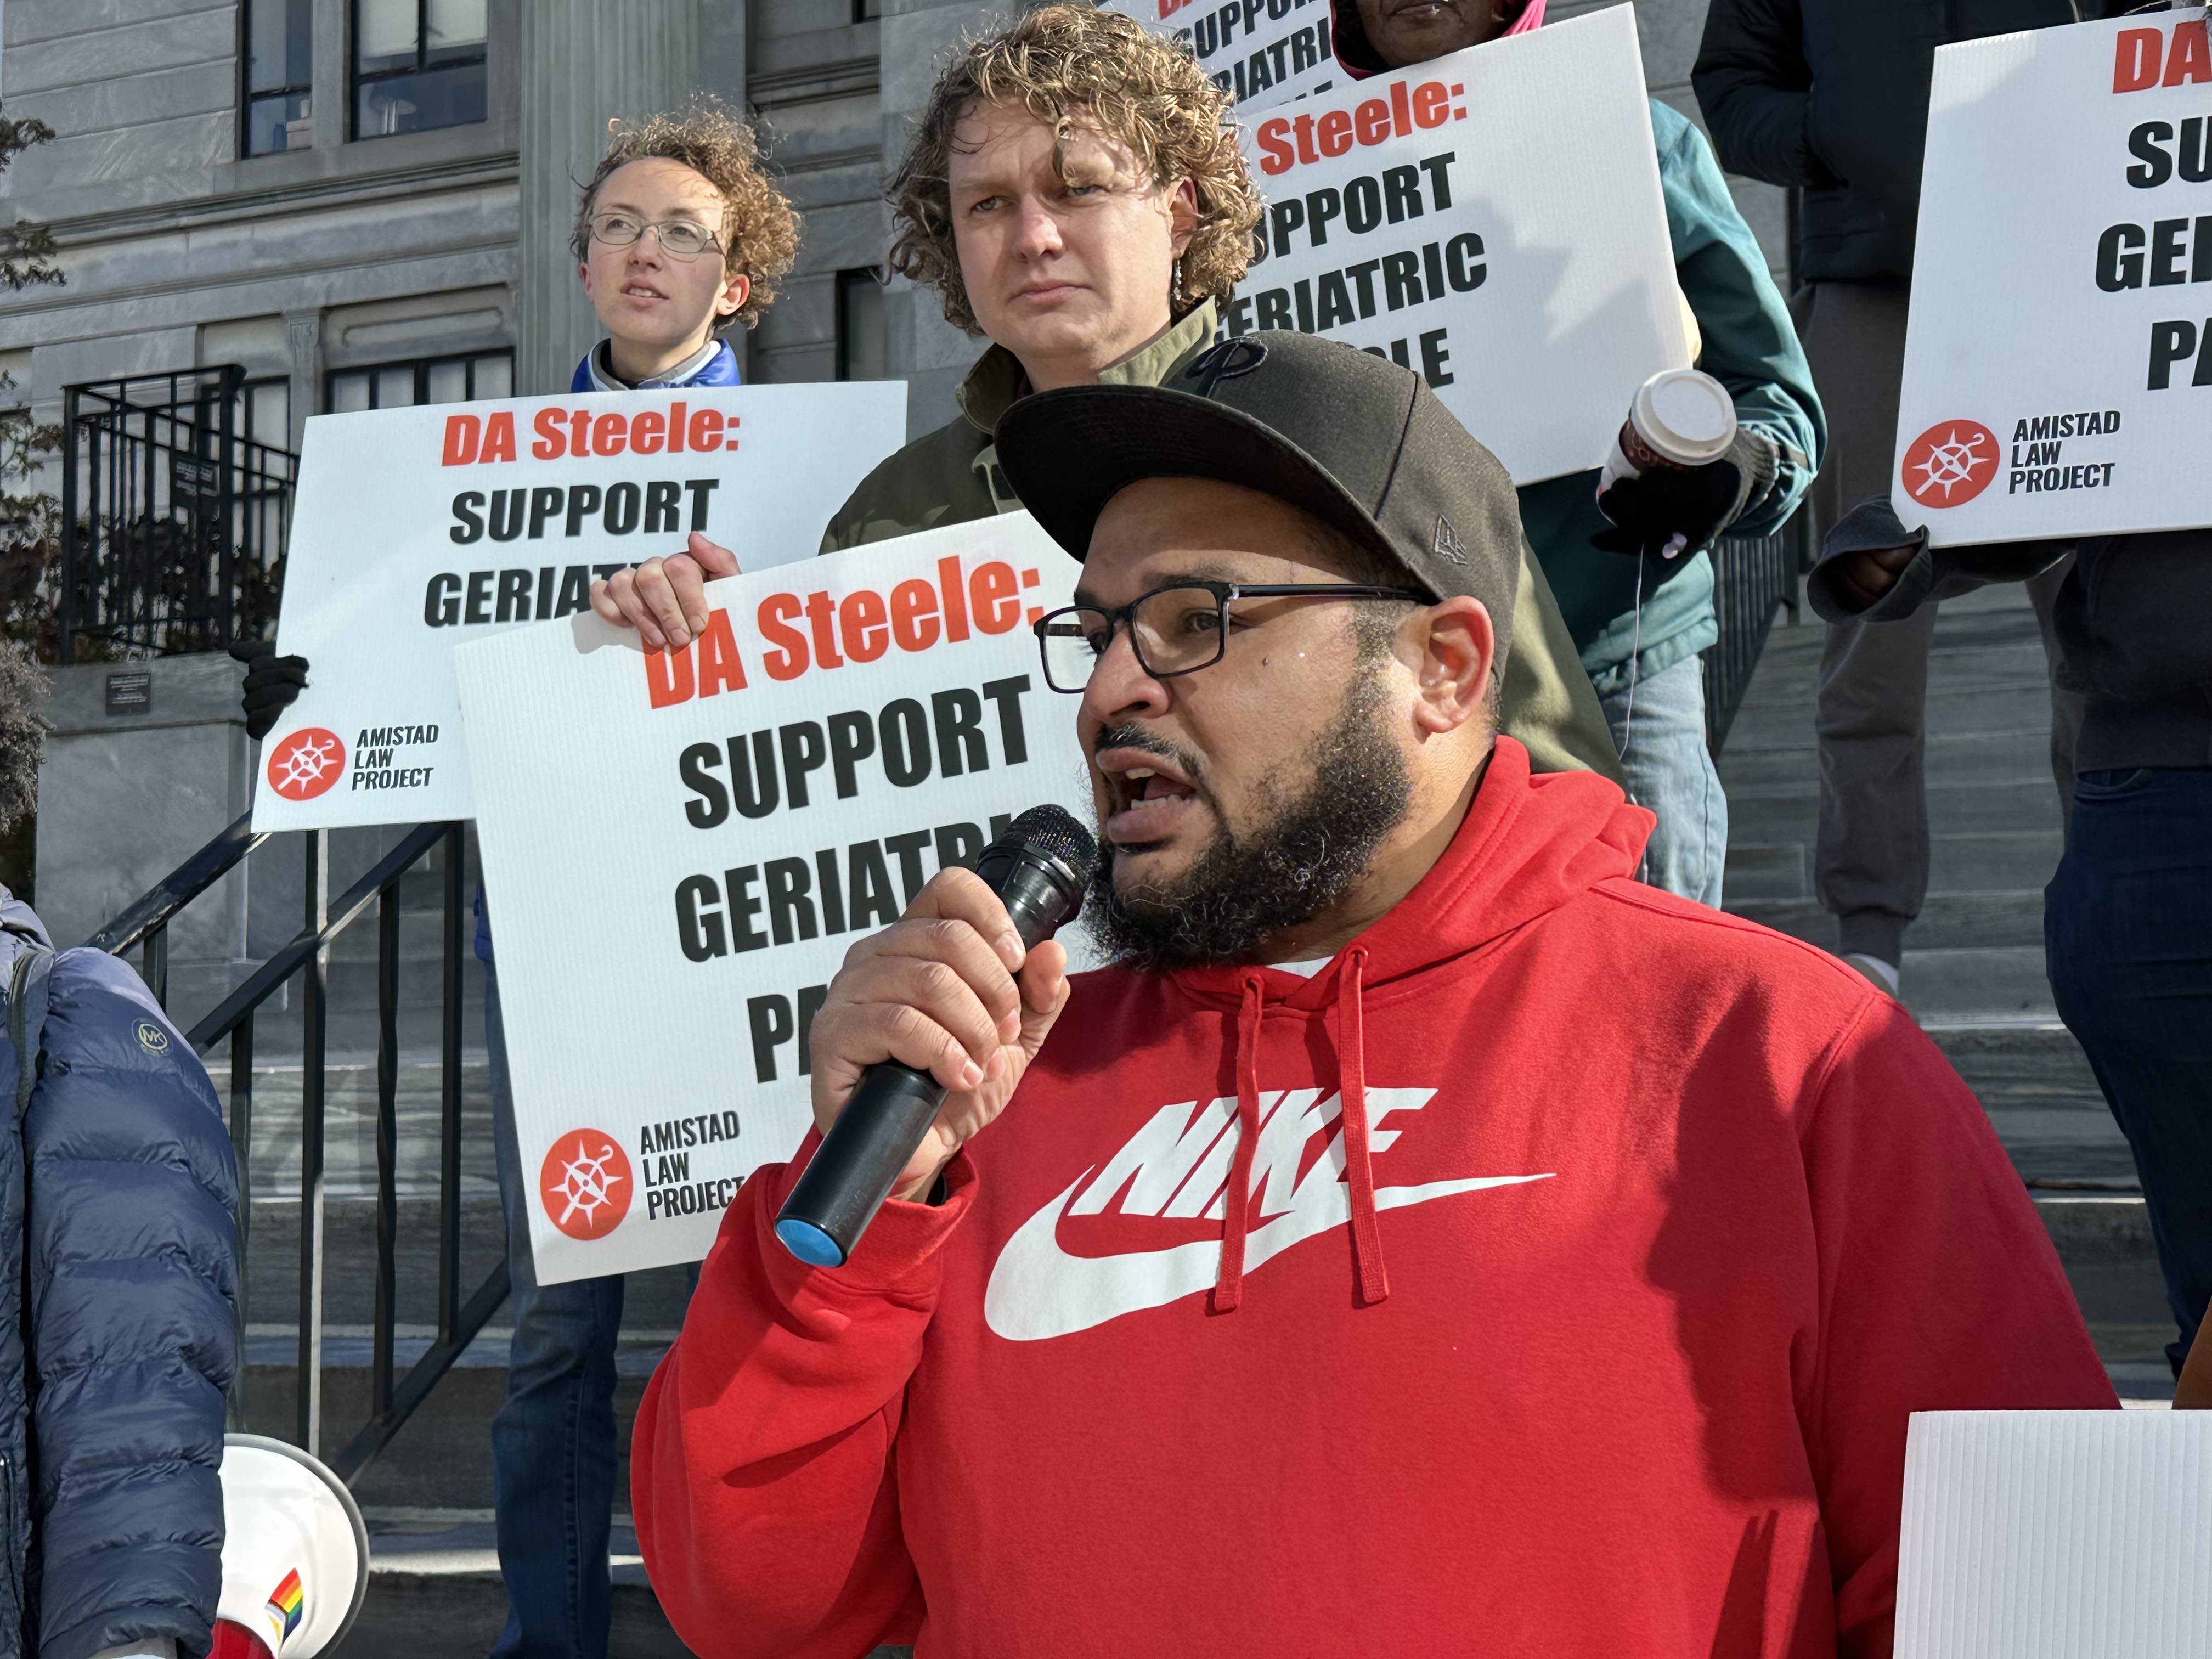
(1448, 217)
(2058, 363)
(415, 529)
(679, 849)
(2056, 1535)
(1265, 51)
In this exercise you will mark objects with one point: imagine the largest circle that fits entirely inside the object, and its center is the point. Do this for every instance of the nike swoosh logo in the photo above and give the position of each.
(1038, 1290)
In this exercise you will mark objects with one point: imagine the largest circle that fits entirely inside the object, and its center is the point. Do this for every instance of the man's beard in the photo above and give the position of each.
(1243, 890)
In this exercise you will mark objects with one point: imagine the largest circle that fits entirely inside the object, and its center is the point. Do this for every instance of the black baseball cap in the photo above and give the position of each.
(1348, 436)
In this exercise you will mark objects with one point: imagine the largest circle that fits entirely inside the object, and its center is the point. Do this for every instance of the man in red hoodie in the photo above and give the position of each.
(1425, 1239)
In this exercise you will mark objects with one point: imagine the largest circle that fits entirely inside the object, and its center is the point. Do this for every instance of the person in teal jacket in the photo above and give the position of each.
(1643, 658)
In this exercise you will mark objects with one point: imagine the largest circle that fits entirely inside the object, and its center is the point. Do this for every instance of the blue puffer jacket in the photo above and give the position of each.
(118, 1286)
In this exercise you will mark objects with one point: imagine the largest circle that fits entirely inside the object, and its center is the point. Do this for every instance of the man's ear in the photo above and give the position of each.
(735, 292)
(1182, 215)
(1457, 645)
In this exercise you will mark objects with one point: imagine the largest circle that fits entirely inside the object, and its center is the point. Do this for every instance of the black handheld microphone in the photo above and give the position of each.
(1039, 867)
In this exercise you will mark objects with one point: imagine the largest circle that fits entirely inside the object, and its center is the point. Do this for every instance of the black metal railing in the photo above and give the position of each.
(144, 926)
(173, 523)
(1751, 580)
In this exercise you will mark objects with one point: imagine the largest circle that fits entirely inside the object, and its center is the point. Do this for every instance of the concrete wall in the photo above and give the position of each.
(125, 796)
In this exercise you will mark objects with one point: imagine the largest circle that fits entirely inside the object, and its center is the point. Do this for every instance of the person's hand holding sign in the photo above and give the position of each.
(1864, 557)
(947, 990)
(1862, 578)
(665, 599)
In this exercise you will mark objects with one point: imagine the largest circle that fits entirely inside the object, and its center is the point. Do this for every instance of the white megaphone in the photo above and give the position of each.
(295, 1553)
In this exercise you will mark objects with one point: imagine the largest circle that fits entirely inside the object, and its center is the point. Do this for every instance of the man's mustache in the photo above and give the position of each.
(1149, 742)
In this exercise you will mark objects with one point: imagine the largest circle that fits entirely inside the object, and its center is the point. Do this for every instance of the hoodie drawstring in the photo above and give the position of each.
(1359, 1171)
(1373, 1281)
(1229, 1282)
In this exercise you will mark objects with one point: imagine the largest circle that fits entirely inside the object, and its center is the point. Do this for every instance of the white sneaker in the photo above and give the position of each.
(1882, 975)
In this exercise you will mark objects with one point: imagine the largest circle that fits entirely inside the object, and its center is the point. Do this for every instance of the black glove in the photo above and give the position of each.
(272, 684)
(1696, 503)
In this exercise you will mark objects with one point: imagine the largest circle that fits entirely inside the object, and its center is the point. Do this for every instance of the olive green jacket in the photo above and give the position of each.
(952, 476)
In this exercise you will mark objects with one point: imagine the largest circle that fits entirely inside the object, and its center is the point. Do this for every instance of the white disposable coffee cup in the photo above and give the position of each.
(1680, 417)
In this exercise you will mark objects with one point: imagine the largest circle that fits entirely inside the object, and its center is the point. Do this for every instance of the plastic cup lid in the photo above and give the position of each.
(1686, 416)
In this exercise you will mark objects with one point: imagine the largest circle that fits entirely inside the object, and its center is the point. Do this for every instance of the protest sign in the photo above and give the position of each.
(2058, 360)
(1446, 217)
(2056, 1535)
(679, 849)
(1265, 51)
(414, 529)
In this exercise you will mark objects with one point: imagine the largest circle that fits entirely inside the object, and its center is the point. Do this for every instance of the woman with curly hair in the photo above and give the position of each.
(1076, 193)
(679, 236)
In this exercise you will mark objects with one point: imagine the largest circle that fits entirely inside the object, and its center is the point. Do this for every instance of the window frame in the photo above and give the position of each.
(243, 420)
(247, 97)
(355, 79)
(421, 367)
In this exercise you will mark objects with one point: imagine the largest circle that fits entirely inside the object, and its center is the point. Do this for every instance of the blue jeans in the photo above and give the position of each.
(553, 1457)
(1670, 768)
(2127, 934)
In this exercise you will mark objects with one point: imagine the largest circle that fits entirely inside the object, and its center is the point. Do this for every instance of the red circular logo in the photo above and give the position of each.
(585, 1183)
(307, 764)
(1950, 464)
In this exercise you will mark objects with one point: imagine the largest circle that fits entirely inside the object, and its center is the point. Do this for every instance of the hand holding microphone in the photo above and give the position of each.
(928, 1028)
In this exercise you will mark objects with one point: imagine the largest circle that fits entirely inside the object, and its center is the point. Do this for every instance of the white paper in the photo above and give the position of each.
(647, 1010)
(1519, 261)
(2057, 1535)
(1264, 51)
(2032, 403)
(415, 529)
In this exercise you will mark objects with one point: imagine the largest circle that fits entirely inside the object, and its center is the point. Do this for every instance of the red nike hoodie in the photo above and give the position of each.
(1552, 1273)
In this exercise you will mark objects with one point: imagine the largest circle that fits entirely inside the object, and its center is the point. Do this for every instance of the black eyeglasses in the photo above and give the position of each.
(1177, 629)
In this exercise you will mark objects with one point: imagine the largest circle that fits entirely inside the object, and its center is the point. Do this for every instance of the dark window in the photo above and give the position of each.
(424, 381)
(280, 42)
(416, 64)
(863, 351)
(264, 412)
(866, 10)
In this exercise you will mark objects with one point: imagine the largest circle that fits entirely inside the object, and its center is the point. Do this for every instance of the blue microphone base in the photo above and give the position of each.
(809, 1243)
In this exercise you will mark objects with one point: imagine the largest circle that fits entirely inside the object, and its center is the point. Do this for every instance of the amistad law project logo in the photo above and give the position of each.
(307, 764)
(586, 1184)
(1950, 464)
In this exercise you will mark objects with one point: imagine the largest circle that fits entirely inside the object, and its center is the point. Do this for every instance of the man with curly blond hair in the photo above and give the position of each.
(1076, 194)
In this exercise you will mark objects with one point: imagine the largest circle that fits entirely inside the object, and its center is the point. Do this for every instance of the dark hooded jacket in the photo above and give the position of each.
(118, 1286)
(1831, 96)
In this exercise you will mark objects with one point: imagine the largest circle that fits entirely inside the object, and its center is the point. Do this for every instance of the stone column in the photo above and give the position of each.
(926, 351)
(303, 337)
(583, 62)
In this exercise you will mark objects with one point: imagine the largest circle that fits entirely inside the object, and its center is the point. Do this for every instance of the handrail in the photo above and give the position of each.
(180, 887)
(423, 1376)
(145, 924)
(294, 953)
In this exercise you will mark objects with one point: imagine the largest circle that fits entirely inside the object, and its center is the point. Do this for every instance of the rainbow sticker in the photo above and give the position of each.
(286, 1602)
